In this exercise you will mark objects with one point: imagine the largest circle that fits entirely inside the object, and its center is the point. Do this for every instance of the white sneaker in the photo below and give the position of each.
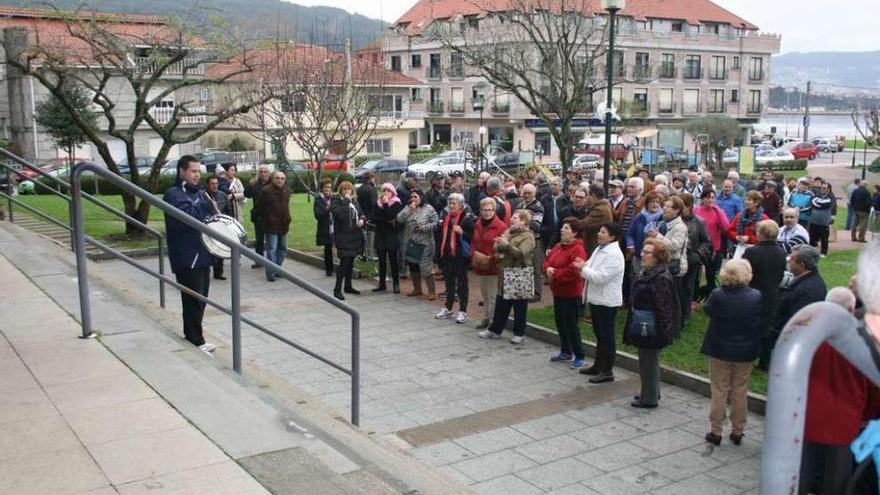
(461, 318)
(486, 334)
(207, 347)
(516, 339)
(443, 314)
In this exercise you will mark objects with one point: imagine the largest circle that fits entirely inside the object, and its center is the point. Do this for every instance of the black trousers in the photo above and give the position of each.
(218, 267)
(502, 313)
(387, 256)
(344, 272)
(825, 469)
(328, 259)
(566, 311)
(455, 275)
(259, 238)
(603, 326)
(819, 233)
(688, 286)
(677, 321)
(199, 280)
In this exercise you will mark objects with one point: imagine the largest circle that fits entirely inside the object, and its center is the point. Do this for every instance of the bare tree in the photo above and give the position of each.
(143, 75)
(546, 53)
(868, 125)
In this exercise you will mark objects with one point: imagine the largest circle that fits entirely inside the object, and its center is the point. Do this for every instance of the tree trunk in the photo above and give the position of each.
(564, 144)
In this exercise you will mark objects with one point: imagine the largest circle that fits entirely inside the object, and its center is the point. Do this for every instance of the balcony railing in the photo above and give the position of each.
(434, 72)
(435, 107)
(667, 71)
(149, 65)
(642, 73)
(756, 75)
(163, 115)
(456, 107)
(754, 109)
(717, 74)
(668, 110)
(693, 73)
(692, 108)
(500, 108)
(717, 107)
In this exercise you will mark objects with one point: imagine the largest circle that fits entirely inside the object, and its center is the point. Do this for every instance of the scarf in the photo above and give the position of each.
(745, 220)
(451, 220)
(394, 199)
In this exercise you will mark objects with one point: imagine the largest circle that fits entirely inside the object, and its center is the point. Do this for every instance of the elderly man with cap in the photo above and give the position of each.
(456, 185)
(408, 182)
(530, 202)
(615, 193)
(477, 192)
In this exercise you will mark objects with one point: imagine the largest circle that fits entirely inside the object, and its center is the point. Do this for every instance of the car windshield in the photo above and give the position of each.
(370, 165)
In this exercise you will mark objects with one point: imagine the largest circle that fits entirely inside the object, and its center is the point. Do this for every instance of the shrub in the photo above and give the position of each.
(420, 156)
(361, 159)
(874, 167)
(89, 184)
(800, 164)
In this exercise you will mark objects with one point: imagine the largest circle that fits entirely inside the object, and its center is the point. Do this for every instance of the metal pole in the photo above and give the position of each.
(853, 152)
(162, 272)
(864, 157)
(10, 188)
(482, 163)
(606, 169)
(79, 249)
(356, 369)
(235, 267)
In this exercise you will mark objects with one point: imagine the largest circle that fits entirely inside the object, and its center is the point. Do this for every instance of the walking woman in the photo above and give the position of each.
(514, 249)
(649, 322)
(387, 239)
(324, 232)
(419, 221)
(235, 193)
(604, 275)
(455, 256)
(347, 236)
(744, 226)
(732, 342)
(567, 287)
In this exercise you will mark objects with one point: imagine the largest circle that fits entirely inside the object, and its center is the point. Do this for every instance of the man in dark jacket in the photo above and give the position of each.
(553, 205)
(215, 193)
(768, 267)
(805, 288)
(699, 250)
(477, 192)
(323, 233)
(190, 260)
(367, 198)
(861, 206)
(273, 210)
(577, 209)
(252, 191)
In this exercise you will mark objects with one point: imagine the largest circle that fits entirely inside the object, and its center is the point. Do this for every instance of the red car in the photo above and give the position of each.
(331, 162)
(802, 150)
(618, 151)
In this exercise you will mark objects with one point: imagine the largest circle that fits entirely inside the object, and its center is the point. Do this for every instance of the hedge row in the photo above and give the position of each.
(420, 156)
(800, 164)
(361, 159)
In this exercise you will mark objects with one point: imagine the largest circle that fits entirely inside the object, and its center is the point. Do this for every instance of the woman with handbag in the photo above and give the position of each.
(732, 342)
(348, 224)
(419, 221)
(483, 262)
(674, 232)
(455, 256)
(604, 275)
(567, 287)
(387, 240)
(649, 322)
(514, 249)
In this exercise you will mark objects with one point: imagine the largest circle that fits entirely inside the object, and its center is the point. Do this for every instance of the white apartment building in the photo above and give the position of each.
(680, 60)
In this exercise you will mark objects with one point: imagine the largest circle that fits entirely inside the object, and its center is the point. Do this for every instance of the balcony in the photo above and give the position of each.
(435, 107)
(456, 107)
(148, 65)
(717, 74)
(668, 110)
(756, 75)
(692, 108)
(693, 73)
(434, 73)
(754, 109)
(163, 115)
(717, 107)
(499, 108)
(642, 74)
(667, 71)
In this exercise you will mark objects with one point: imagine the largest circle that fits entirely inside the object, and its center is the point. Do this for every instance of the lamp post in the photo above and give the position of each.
(479, 104)
(612, 6)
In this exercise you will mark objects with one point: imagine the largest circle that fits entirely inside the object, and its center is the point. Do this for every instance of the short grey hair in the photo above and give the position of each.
(869, 279)
(529, 187)
(488, 201)
(555, 180)
(807, 255)
(735, 273)
(638, 182)
(791, 209)
(457, 197)
(733, 174)
(493, 184)
(661, 179)
(842, 296)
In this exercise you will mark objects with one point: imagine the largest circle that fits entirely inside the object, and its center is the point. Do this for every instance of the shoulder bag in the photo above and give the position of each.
(642, 324)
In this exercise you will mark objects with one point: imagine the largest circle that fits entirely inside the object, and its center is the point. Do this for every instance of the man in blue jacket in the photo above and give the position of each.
(190, 260)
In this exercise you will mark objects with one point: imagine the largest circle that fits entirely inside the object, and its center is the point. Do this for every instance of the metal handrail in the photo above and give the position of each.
(160, 237)
(237, 251)
(788, 385)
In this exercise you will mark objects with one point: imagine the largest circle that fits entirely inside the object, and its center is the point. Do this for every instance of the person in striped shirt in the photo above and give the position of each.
(792, 233)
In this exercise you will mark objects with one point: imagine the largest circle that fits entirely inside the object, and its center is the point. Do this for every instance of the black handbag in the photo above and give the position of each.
(642, 324)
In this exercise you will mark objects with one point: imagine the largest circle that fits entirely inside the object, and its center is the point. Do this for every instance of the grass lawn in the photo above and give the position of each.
(685, 354)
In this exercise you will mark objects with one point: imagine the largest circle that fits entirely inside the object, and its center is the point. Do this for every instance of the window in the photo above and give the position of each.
(754, 101)
(293, 103)
(691, 101)
(677, 27)
(395, 63)
(415, 94)
(667, 99)
(616, 95)
(756, 69)
(716, 101)
(457, 69)
(435, 67)
(457, 103)
(735, 62)
(473, 23)
(692, 69)
(640, 100)
(379, 147)
(435, 95)
(734, 96)
(617, 60)
(415, 61)
(205, 94)
(642, 64)
(717, 67)
(667, 66)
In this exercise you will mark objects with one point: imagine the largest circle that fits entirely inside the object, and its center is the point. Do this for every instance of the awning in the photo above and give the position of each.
(646, 133)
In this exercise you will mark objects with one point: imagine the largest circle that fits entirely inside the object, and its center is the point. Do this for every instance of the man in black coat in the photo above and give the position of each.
(768, 268)
(252, 191)
(553, 204)
(861, 204)
(367, 197)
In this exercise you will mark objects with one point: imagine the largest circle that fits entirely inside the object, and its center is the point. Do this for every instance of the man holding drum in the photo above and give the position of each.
(190, 260)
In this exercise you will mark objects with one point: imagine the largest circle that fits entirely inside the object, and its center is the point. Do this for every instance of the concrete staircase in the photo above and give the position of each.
(52, 232)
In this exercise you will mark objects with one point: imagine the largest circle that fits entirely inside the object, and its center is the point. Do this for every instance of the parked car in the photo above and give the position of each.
(289, 167)
(210, 159)
(780, 155)
(170, 168)
(826, 145)
(382, 168)
(587, 160)
(504, 159)
(596, 146)
(730, 157)
(443, 164)
(763, 147)
(802, 150)
(144, 164)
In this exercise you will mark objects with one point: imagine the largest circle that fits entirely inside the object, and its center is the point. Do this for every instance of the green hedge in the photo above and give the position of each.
(420, 156)
(874, 167)
(361, 159)
(103, 187)
(800, 164)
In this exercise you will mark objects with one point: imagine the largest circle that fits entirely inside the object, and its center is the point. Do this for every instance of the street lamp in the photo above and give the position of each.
(612, 6)
(479, 104)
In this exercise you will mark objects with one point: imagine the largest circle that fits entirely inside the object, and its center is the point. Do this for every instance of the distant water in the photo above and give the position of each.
(820, 125)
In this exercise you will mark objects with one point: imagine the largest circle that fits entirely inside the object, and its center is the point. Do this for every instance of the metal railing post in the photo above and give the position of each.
(11, 189)
(70, 219)
(161, 272)
(235, 268)
(79, 245)
(356, 369)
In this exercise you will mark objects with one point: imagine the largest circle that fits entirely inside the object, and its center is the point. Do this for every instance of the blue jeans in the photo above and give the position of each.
(849, 217)
(276, 251)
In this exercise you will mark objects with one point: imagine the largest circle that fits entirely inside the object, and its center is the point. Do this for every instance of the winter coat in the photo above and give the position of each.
(731, 205)
(483, 240)
(791, 236)
(604, 275)
(676, 237)
(716, 224)
(366, 199)
(537, 216)
(653, 291)
(699, 248)
(801, 291)
(387, 228)
(635, 234)
(236, 205)
(750, 231)
(597, 215)
(861, 200)
(324, 232)
(420, 225)
(822, 213)
(566, 281)
(803, 201)
(551, 223)
(437, 199)
(518, 250)
(466, 223)
(734, 332)
(223, 204)
(620, 212)
(185, 248)
(273, 209)
(347, 236)
(253, 191)
(768, 267)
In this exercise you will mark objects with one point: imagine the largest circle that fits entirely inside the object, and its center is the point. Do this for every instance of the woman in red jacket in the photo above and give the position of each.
(483, 261)
(743, 228)
(567, 286)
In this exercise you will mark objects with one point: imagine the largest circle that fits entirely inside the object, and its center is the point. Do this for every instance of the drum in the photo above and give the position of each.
(225, 226)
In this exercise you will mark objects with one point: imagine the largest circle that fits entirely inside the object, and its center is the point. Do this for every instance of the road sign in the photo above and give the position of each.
(806, 121)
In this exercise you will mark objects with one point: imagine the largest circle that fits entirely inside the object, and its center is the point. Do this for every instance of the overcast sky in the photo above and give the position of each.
(808, 25)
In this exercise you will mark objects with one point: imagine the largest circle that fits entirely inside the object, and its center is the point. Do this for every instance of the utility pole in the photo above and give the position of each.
(807, 114)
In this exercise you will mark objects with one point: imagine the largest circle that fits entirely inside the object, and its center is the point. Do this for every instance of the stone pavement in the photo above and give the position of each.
(498, 417)
(75, 419)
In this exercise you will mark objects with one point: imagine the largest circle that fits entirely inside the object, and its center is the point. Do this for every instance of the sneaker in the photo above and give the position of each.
(562, 357)
(443, 314)
(207, 347)
(577, 363)
(516, 339)
(486, 334)
(461, 318)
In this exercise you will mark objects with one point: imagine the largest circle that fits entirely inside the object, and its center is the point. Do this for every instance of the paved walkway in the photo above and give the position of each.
(75, 419)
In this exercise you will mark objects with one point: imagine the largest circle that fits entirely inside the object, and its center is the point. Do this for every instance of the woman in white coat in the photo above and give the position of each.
(235, 193)
(604, 275)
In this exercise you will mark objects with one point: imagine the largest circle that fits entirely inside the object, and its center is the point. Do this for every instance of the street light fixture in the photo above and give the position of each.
(612, 6)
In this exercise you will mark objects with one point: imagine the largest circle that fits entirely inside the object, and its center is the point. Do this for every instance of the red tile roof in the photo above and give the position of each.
(693, 11)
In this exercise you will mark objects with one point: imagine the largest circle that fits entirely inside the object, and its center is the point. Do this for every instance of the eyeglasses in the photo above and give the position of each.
(645, 252)
(576, 196)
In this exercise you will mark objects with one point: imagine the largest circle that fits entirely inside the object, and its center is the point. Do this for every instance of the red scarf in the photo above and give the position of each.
(455, 219)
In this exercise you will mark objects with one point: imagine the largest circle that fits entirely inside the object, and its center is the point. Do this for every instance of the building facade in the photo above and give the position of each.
(680, 60)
